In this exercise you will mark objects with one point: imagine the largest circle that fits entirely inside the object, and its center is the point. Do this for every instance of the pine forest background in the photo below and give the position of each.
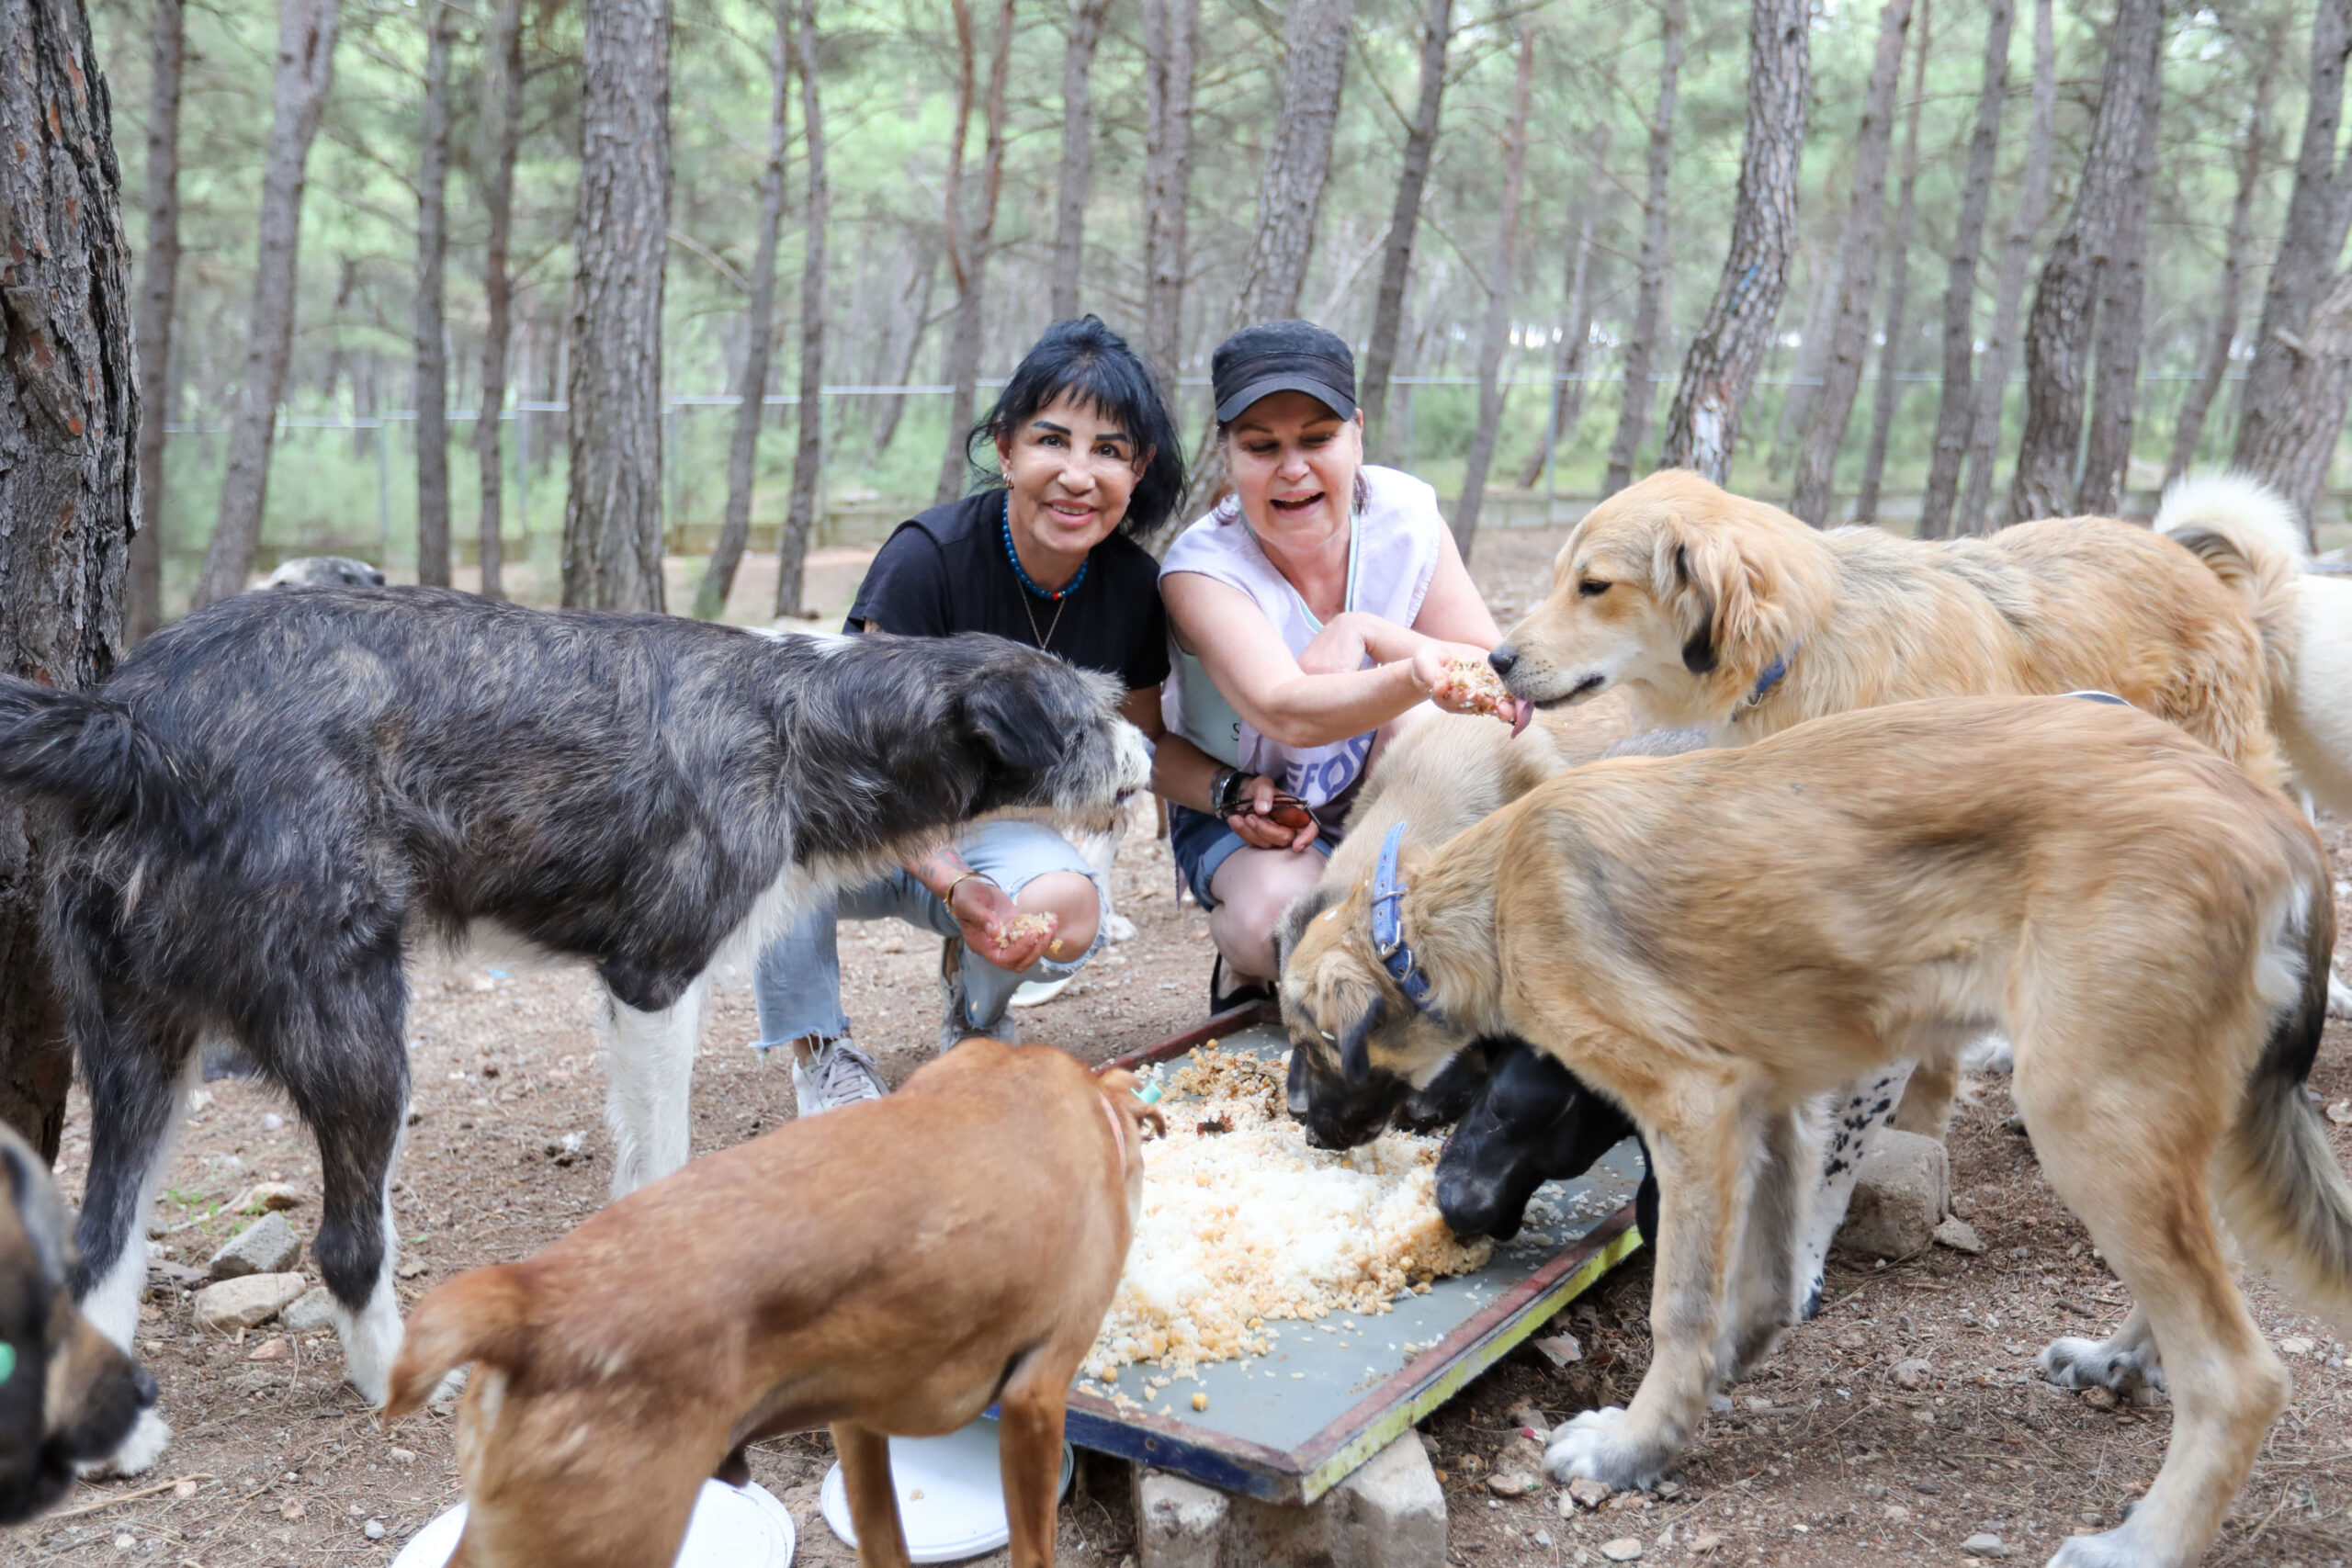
(2236, 86)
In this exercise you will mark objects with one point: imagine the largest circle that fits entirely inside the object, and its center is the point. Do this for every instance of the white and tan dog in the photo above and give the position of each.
(1714, 937)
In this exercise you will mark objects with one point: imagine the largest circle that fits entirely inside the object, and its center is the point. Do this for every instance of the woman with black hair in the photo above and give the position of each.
(1048, 554)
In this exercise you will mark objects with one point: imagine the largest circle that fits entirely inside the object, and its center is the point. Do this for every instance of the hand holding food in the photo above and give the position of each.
(1460, 681)
(996, 928)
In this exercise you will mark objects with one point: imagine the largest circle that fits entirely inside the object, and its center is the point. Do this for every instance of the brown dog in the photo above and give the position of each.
(67, 1395)
(889, 1268)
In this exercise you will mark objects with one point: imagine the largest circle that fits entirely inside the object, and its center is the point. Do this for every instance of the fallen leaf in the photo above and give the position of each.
(1560, 1348)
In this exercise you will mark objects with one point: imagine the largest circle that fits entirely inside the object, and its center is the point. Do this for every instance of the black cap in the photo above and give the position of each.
(1284, 357)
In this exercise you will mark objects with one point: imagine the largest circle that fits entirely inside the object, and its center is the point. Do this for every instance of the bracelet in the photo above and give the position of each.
(1225, 790)
(948, 897)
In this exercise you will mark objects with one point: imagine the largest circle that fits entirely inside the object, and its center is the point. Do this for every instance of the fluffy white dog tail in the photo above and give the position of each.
(2251, 538)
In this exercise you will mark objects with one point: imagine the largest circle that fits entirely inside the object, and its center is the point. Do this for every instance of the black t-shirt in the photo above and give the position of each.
(947, 571)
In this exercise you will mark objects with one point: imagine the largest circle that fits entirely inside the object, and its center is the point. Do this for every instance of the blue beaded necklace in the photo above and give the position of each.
(1051, 595)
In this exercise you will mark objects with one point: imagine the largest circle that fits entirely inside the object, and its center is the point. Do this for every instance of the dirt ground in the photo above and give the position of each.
(1823, 1460)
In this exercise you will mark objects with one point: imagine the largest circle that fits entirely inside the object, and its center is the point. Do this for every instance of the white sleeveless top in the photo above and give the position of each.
(1395, 541)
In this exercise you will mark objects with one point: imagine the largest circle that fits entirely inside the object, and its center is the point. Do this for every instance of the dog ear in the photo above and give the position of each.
(1698, 643)
(1355, 1051)
(1007, 712)
(1119, 1085)
(40, 1214)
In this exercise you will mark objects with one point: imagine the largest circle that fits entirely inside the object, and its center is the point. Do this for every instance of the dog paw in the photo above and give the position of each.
(1594, 1446)
(2098, 1364)
(2117, 1548)
(1118, 928)
(138, 1452)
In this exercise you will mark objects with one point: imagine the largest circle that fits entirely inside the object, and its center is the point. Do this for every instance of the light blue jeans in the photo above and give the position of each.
(799, 982)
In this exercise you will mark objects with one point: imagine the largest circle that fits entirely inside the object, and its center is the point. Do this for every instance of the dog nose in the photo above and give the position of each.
(1502, 659)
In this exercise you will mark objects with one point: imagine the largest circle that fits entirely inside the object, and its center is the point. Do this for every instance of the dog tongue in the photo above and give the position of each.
(1526, 712)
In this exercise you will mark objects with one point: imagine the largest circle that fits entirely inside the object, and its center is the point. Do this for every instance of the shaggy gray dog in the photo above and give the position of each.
(270, 800)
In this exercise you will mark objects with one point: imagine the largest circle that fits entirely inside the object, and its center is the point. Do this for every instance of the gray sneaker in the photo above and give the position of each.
(955, 1024)
(836, 1074)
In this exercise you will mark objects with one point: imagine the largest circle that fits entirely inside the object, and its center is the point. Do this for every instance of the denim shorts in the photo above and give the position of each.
(1201, 842)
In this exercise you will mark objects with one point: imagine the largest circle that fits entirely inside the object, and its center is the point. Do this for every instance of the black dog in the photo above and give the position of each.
(1533, 1121)
(67, 1395)
(269, 801)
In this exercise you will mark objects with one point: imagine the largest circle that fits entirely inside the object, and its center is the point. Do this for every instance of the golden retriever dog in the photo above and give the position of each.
(1714, 937)
(2250, 536)
(1715, 610)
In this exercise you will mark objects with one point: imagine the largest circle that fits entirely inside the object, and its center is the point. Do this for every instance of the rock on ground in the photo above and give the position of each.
(269, 1245)
(1900, 1196)
(247, 1300)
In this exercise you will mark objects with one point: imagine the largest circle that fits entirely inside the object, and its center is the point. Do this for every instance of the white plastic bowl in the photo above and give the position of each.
(733, 1527)
(951, 1494)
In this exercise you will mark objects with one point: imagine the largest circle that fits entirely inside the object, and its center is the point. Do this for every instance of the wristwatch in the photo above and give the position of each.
(1225, 790)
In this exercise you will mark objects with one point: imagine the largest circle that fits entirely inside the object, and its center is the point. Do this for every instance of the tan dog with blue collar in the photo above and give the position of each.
(1714, 937)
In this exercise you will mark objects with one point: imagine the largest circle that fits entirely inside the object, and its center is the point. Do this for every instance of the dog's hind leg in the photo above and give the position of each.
(649, 1076)
(1865, 1107)
(1029, 1456)
(138, 1089)
(1704, 1161)
(873, 1497)
(2157, 1231)
(1767, 1290)
(340, 1055)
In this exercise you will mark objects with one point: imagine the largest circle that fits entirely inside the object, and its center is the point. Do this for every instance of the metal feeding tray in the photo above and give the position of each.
(1336, 1399)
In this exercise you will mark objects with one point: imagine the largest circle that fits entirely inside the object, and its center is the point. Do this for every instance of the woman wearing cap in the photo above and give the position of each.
(1320, 601)
(1088, 465)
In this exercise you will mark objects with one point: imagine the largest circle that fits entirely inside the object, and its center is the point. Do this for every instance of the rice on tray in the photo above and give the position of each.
(1243, 1224)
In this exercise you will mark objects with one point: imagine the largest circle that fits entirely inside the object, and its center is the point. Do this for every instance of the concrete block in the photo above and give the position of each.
(1389, 1514)
(1901, 1194)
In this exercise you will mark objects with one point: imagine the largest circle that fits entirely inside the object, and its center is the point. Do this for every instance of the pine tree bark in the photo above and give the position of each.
(1898, 293)
(1953, 404)
(1078, 153)
(502, 120)
(2253, 152)
(2058, 334)
(1703, 427)
(1805, 371)
(2301, 437)
(2107, 454)
(1495, 333)
(611, 511)
(1569, 354)
(69, 423)
(432, 382)
(968, 235)
(808, 459)
(1171, 28)
(923, 282)
(1643, 342)
(1841, 377)
(759, 337)
(2009, 286)
(1404, 226)
(2274, 408)
(158, 290)
(306, 34)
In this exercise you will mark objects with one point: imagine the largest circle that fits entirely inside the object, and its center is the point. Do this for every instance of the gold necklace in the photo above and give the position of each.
(1051, 626)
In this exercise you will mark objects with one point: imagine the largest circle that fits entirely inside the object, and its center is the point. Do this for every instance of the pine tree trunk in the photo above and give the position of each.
(967, 237)
(1494, 335)
(2008, 284)
(921, 283)
(158, 287)
(2272, 406)
(306, 32)
(1804, 372)
(1841, 375)
(2254, 151)
(1954, 402)
(432, 384)
(1290, 192)
(2301, 437)
(501, 121)
(1569, 354)
(759, 337)
(2106, 456)
(2058, 334)
(1404, 225)
(1643, 342)
(611, 511)
(1898, 294)
(1078, 153)
(1171, 28)
(808, 458)
(69, 423)
(1703, 427)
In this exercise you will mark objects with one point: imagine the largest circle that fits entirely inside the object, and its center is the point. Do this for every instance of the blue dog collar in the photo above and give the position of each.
(1767, 681)
(1388, 927)
(2090, 696)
